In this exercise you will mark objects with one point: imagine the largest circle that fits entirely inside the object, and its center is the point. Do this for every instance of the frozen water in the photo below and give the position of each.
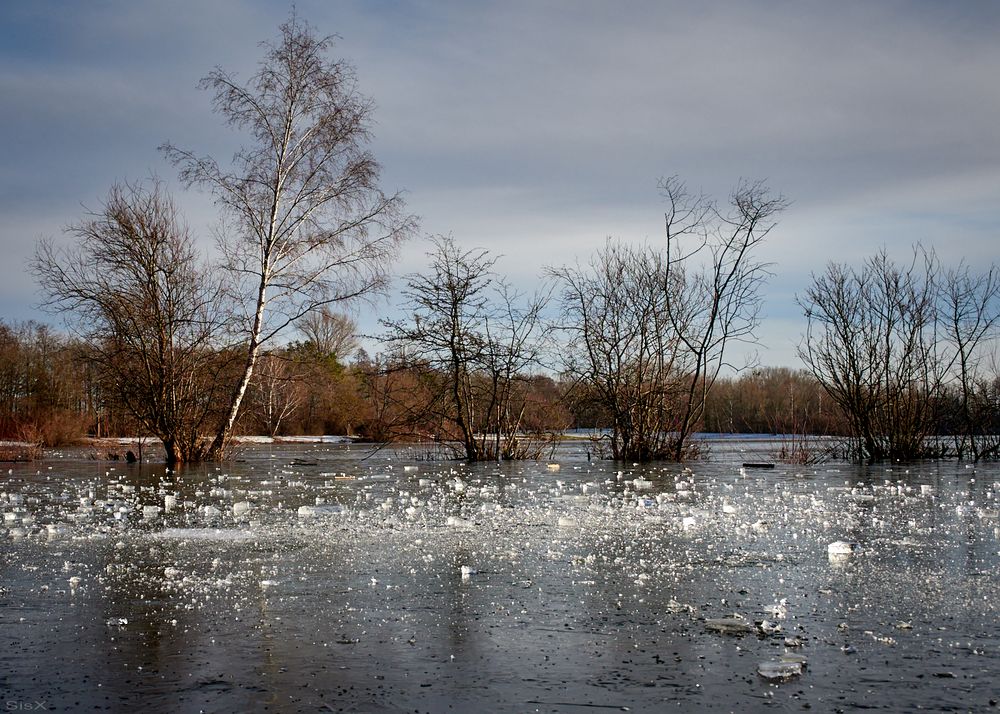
(779, 671)
(316, 576)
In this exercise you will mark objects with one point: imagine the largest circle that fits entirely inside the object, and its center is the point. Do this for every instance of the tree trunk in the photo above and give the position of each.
(222, 437)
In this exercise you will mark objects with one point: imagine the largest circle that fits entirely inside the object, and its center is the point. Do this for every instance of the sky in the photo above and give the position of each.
(538, 129)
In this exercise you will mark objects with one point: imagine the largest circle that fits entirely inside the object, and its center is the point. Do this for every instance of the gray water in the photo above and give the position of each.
(418, 585)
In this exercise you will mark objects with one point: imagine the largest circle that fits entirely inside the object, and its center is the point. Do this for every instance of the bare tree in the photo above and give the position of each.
(307, 224)
(471, 333)
(650, 329)
(330, 333)
(873, 342)
(276, 391)
(621, 347)
(722, 297)
(970, 311)
(133, 289)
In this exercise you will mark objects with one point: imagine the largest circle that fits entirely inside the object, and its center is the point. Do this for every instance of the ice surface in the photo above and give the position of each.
(598, 585)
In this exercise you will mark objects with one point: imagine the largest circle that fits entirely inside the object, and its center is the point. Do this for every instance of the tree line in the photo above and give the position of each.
(167, 340)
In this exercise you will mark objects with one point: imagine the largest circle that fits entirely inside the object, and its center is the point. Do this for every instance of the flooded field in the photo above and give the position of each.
(321, 577)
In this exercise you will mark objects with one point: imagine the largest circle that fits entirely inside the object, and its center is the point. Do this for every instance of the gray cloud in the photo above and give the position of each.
(538, 128)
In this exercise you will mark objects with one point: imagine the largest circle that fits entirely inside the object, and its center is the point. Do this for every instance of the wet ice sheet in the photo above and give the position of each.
(308, 577)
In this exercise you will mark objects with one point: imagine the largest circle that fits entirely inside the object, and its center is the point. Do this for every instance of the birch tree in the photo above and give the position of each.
(305, 224)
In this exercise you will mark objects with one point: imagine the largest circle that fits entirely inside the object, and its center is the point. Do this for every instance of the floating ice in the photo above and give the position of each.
(150, 511)
(779, 671)
(766, 627)
(840, 548)
(729, 626)
(204, 534)
(330, 509)
(117, 621)
(241, 508)
(565, 522)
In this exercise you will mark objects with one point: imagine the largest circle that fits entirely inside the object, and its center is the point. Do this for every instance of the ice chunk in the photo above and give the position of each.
(241, 508)
(117, 621)
(779, 671)
(457, 522)
(330, 509)
(729, 625)
(204, 534)
(150, 511)
(565, 522)
(468, 571)
(766, 627)
(169, 502)
(840, 548)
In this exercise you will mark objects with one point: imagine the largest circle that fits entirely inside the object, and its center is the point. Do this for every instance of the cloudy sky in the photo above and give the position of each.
(537, 129)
